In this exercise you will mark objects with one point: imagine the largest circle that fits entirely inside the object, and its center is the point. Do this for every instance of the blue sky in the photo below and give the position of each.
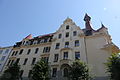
(19, 18)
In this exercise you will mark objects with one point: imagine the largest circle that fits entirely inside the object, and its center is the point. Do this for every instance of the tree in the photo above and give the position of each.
(113, 67)
(11, 73)
(40, 70)
(79, 71)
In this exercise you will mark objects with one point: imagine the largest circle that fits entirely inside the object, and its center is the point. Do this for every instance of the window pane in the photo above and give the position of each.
(74, 33)
(3, 58)
(65, 55)
(55, 57)
(25, 61)
(76, 43)
(67, 27)
(67, 34)
(36, 50)
(77, 55)
(54, 72)
(59, 36)
(57, 45)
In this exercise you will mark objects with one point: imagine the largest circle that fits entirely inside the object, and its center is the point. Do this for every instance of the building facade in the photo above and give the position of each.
(4, 54)
(63, 47)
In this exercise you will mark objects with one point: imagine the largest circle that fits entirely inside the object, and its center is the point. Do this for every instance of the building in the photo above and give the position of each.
(61, 48)
(4, 54)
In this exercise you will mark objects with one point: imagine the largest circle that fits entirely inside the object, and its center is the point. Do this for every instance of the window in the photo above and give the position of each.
(66, 44)
(21, 51)
(30, 73)
(1, 51)
(55, 57)
(13, 53)
(59, 36)
(54, 72)
(33, 61)
(67, 34)
(25, 61)
(17, 61)
(12, 62)
(76, 43)
(3, 58)
(28, 51)
(36, 50)
(74, 33)
(16, 53)
(77, 55)
(46, 49)
(57, 45)
(7, 50)
(45, 59)
(21, 73)
(65, 72)
(8, 62)
(65, 55)
(67, 27)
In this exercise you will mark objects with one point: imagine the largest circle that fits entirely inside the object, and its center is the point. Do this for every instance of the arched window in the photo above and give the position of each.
(65, 72)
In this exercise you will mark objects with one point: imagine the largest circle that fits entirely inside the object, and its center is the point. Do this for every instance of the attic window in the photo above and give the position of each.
(67, 27)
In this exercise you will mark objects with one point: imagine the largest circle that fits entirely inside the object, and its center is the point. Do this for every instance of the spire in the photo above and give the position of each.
(87, 22)
(102, 25)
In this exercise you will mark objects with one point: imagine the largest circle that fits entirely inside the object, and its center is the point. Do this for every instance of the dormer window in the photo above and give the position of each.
(67, 27)
(35, 42)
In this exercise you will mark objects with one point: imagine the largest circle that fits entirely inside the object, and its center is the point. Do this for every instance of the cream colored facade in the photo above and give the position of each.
(61, 48)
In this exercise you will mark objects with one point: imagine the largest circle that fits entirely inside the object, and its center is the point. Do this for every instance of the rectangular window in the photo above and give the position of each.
(12, 62)
(21, 51)
(74, 33)
(77, 55)
(45, 59)
(21, 73)
(67, 34)
(54, 72)
(7, 50)
(57, 45)
(55, 57)
(25, 61)
(29, 50)
(30, 73)
(46, 49)
(65, 55)
(1, 51)
(8, 62)
(33, 61)
(16, 53)
(67, 27)
(77, 43)
(66, 44)
(17, 61)
(59, 36)
(13, 53)
(3, 58)
(36, 50)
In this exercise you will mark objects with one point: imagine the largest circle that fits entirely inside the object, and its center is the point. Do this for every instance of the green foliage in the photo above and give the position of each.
(79, 71)
(40, 70)
(113, 67)
(11, 73)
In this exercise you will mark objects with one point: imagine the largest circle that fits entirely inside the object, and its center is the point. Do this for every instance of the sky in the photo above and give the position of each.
(19, 18)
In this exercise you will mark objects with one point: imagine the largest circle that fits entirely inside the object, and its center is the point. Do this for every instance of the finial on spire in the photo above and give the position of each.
(102, 25)
(87, 18)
